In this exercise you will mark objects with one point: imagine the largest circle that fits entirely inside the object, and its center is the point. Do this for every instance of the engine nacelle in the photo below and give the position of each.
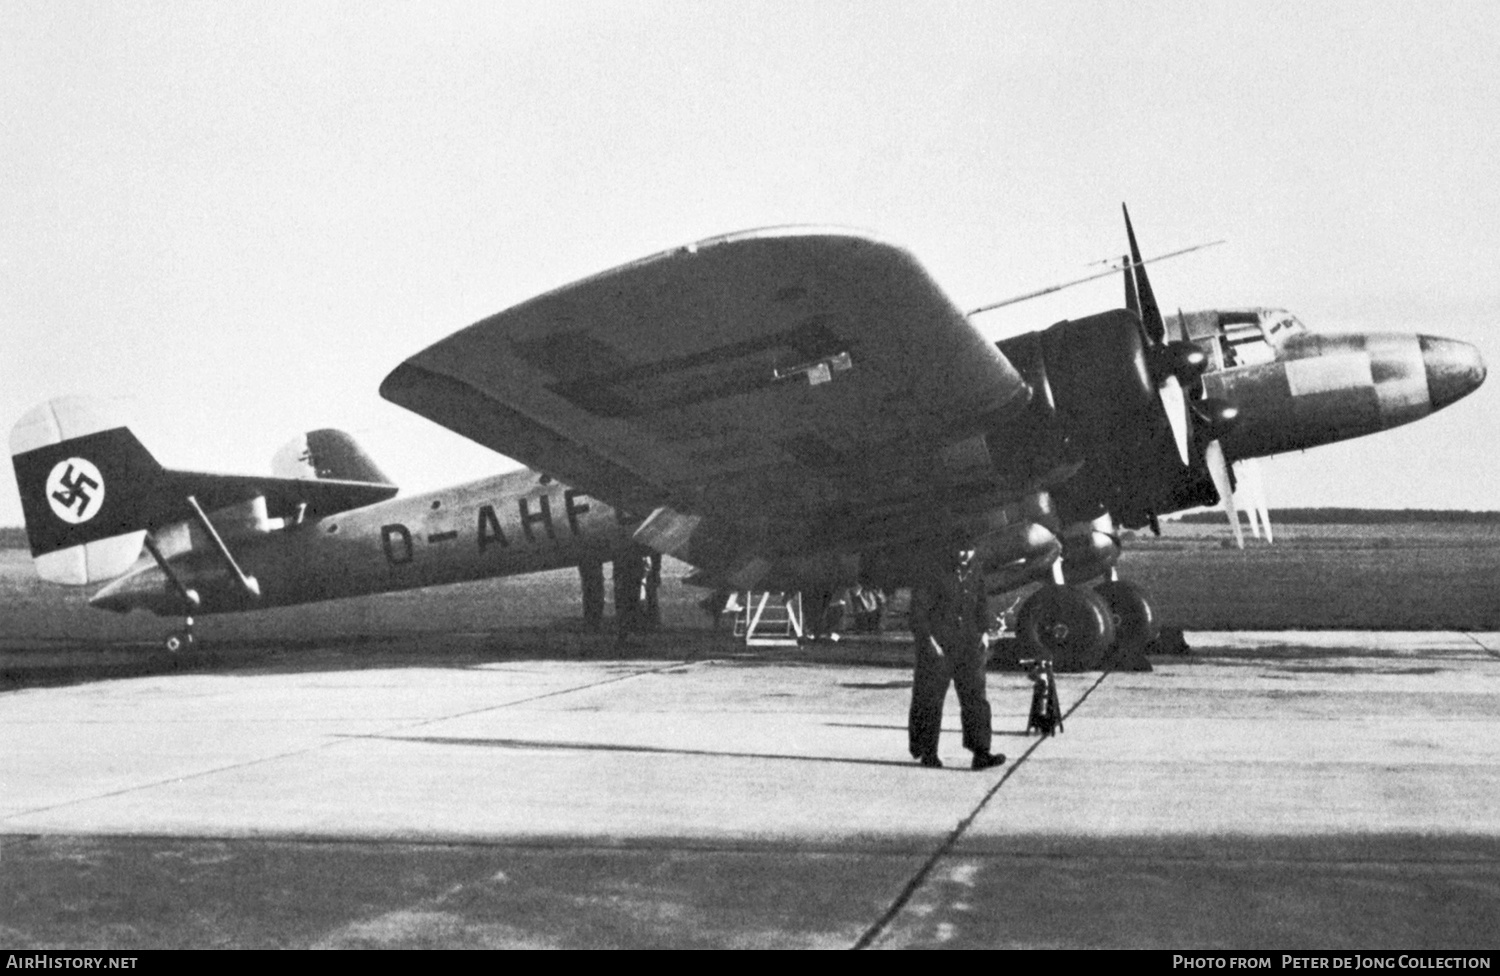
(1095, 401)
(1017, 555)
(1014, 544)
(1090, 388)
(1089, 549)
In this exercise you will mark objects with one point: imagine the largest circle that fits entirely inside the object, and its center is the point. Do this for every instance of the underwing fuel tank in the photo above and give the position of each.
(1296, 389)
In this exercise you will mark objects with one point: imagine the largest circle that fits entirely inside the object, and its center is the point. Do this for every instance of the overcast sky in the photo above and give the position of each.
(235, 219)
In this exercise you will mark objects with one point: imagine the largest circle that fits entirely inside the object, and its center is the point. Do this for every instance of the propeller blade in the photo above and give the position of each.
(1174, 402)
(1242, 500)
(1150, 313)
(1244, 495)
(1213, 456)
(1132, 300)
(1254, 486)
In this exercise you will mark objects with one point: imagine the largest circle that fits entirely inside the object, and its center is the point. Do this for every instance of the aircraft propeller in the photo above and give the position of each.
(1213, 456)
(1253, 495)
(1176, 367)
(1173, 365)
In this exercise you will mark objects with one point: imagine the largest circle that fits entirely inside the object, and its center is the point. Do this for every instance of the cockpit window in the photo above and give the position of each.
(1243, 340)
(1279, 324)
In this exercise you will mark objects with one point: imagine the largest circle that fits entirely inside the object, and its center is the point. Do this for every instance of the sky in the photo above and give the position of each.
(231, 221)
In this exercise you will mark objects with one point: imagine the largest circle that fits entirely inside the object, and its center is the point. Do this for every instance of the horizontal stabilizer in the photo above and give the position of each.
(332, 457)
(90, 490)
(285, 497)
(329, 455)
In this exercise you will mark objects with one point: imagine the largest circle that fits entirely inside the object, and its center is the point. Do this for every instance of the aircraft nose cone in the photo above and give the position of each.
(1454, 369)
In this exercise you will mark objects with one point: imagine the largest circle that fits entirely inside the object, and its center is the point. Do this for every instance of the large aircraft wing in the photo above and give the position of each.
(774, 374)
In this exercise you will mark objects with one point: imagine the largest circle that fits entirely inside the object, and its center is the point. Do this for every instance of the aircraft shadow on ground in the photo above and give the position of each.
(40, 662)
(902, 728)
(538, 744)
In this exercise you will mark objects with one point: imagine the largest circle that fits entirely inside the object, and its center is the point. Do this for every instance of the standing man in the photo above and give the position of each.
(650, 602)
(637, 578)
(949, 619)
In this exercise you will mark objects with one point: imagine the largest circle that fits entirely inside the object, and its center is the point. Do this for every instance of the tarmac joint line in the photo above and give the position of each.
(1482, 645)
(338, 740)
(883, 923)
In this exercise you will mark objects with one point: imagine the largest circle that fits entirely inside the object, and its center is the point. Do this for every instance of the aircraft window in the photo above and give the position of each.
(1212, 349)
(1244, 344)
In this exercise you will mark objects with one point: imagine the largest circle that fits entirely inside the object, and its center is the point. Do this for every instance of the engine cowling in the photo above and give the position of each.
(1095, 401)
(1090, 384)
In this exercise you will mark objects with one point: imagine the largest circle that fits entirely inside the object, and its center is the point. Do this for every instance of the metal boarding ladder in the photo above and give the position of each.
(767, 618)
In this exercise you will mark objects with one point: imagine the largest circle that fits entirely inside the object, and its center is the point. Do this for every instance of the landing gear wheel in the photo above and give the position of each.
(1135, 619)
(1067, 624)
(181, 642)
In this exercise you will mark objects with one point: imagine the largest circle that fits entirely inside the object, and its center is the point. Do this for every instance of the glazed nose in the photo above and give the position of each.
(1454, 369)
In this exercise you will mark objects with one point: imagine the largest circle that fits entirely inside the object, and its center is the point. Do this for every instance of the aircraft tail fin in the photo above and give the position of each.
(86, 486)
(328, 455)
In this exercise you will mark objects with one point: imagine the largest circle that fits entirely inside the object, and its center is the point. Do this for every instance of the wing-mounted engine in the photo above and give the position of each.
(1114, 396)
(1095, 406)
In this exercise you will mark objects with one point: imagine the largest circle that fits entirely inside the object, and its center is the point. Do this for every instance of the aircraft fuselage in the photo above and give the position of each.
(519, 522)
(1323, 388)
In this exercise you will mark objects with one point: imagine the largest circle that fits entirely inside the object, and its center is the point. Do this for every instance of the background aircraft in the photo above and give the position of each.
(785, 409)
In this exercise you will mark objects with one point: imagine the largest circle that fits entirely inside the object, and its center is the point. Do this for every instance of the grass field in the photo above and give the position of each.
(1422, 576)
(1380, 577)
(31, 610)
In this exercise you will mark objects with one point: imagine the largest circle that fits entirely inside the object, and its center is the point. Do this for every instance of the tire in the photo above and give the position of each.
(1135, 620)
(180, 643)
(1070, 626)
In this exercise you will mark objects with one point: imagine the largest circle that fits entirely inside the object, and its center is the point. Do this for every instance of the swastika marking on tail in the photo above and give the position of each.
(75, 490)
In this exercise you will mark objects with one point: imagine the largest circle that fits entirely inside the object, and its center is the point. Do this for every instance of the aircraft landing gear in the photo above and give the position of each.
(1068, 624)
(591, 576)
(183, 640)
(1136, 624)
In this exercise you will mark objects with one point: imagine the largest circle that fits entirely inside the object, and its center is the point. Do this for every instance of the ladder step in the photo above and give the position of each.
(765, 617)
